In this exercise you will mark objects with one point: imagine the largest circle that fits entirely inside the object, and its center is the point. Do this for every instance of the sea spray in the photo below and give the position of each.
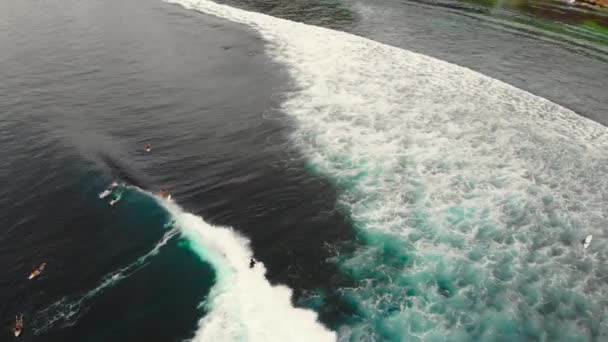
(242, 305)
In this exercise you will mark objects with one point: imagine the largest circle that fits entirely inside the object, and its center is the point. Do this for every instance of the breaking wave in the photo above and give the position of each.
(242, 304)
(471, 196)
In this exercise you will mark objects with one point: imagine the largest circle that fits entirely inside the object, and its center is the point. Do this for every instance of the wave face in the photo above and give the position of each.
(471, 196)
(243, 305)
(68, 310)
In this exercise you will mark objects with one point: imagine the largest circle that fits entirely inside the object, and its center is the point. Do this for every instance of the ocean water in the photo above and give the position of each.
(401, 171)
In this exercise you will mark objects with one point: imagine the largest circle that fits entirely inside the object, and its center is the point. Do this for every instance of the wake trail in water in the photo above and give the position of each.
(66, 311)
(470, 196)
(243, 305)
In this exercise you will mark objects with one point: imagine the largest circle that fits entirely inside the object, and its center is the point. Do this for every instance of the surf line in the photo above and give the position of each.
(66, 311)
(242, 304)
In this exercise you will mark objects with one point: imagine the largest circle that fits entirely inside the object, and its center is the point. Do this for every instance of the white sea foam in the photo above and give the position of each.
(481, 192)
(243, 305)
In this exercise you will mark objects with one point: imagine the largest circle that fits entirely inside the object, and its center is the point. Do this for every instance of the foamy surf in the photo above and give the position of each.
(472, 196)
(243, 305)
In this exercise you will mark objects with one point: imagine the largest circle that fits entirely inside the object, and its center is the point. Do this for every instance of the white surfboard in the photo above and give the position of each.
(108, 191)
(587, 241)
(18, 325)
(37, 271)
(105, 193)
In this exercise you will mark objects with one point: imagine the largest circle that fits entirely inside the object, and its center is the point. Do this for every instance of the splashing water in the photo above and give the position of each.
(243, 305)
(470, 196)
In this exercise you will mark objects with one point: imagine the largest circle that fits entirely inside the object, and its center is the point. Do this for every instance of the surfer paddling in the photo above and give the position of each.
(109, 190)
(148, 148)
(18, 325)
(37, 271)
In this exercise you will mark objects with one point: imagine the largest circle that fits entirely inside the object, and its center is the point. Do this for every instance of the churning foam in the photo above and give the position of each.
(243, 305)
(472, 196)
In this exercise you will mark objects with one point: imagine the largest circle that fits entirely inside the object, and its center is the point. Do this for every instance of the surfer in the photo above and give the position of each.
(251, 263)
(109, 190)
(37, 271)
(164, 193)
(148, 148)
(114, 191)
(18, 325)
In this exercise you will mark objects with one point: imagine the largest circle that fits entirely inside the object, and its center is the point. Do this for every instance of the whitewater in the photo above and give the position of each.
(242, 304)
(471, 196)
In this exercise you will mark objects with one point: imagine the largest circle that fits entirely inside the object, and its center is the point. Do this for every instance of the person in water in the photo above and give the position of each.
(148, 147)
(251, 263)
(116, 195)
(37, 271)
(18, 324)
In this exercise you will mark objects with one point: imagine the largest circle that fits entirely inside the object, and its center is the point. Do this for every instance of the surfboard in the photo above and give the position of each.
(105, 193)
(108, 191)
(587, 241)
(18, 325)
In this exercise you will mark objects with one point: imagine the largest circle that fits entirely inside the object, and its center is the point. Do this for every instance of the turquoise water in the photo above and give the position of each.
(458, 274)
(468, 197)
